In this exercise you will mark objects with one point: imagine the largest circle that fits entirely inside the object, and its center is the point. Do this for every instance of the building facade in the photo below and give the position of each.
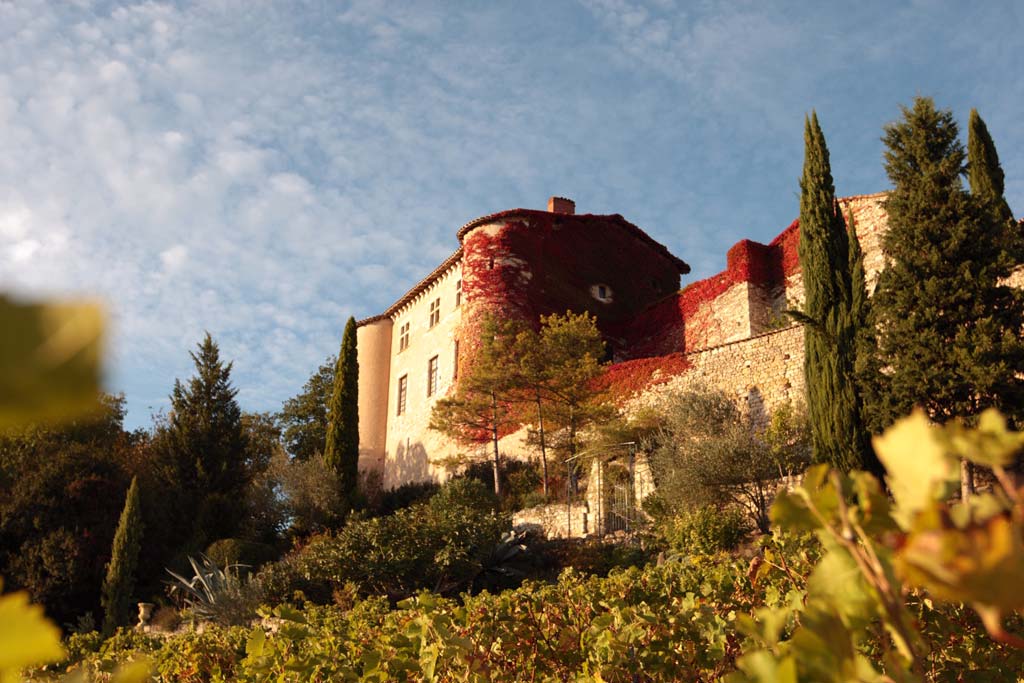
(727, 331)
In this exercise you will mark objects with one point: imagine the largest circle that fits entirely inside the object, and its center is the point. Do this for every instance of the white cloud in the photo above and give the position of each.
(174, 258)
(264, 170)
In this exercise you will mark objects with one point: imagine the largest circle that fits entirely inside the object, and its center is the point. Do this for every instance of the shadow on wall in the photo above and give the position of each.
(756, 409)
(410, 464)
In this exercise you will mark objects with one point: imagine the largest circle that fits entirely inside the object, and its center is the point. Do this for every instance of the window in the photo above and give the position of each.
(432, 376)
(455, 361)
(403, 390)
(435, 312)
(602, 293)
(458, 293)
(403, 337)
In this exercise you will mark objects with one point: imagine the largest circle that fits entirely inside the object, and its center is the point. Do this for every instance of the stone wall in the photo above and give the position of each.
(761, 373)
(556, 520)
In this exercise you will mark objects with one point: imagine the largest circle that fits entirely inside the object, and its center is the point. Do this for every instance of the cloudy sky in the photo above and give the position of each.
(263, 170)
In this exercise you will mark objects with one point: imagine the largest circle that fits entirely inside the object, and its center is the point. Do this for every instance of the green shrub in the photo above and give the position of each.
(401, 497)
(706, 530)
(519, 479)
(229, 551)
(441, 545)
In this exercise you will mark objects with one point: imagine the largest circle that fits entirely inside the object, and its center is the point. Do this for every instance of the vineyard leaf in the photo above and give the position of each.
(981, 564)
(990, 443)
(27, 637)
(49, 361)
(919, 470)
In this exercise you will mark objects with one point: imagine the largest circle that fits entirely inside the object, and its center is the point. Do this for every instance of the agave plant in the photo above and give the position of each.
(215, 593)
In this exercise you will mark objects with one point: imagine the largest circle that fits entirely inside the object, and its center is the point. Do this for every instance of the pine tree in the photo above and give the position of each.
(948, 331)
(204, 449)
(342, 446)
(481, 407)
(120, 581)
(832, 312)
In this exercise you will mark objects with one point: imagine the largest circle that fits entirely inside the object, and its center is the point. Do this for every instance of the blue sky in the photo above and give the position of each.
(263, 170)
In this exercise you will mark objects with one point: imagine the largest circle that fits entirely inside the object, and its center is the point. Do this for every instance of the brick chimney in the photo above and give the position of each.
(561, 205)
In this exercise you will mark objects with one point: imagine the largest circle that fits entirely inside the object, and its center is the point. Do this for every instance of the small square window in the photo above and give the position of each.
(403, 392)
(435, 312)
(432, 376)
(403, 337)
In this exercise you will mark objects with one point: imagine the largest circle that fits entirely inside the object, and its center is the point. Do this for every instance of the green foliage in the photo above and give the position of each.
(519, 480)
(442, 545)
(555, 369)
(202, 451)
(984, 172)
(481, 407)
(870, 611)
(837, 433)
(706, 530)
(61, 493)
(120, 581)
(708, 453)
(404, 496)
(850, 587)
(235, 551)
(947, 329)
(308, 493)
(219, 594)
(303, 418)
(341, 449)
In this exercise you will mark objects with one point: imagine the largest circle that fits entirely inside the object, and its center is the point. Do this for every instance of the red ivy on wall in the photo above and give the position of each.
(625, 379)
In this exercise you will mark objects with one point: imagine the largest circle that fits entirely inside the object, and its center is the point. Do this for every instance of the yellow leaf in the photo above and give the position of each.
(919, 470)
(49, 361)
(27, 638)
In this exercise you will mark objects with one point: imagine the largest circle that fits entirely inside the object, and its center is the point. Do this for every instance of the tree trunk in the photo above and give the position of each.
(966, 480)
(574, 470)
(543, 450)
(494, 441)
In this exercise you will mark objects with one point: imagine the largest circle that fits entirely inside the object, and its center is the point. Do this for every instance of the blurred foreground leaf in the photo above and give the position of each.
(27, 638)
(50, 356)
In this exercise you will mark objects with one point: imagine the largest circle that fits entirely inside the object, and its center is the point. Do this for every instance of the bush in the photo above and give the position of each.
(706, 530)
(711, 454)
(229, 551)
(442, 545)
(519, 479)
(401, 497)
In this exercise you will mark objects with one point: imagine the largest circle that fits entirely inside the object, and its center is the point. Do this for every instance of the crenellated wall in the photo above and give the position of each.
(729, 331)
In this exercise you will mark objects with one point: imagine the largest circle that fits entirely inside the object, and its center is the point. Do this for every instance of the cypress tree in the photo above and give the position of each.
(831, 312)
(124, 557)
(342, 446)
(984, 172)
(948, 331)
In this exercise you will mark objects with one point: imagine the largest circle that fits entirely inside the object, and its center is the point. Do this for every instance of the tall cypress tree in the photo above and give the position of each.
(985, 176)
(984, 172)
(948, 331)
(120, 581)
(342, 447)
(831, 313)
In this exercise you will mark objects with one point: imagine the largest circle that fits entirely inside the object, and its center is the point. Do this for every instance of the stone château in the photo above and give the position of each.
(727, 331)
